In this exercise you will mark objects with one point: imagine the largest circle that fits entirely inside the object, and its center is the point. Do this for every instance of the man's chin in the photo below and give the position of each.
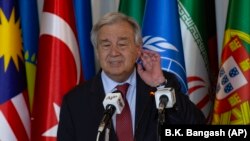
(115, 65)
(114, 72)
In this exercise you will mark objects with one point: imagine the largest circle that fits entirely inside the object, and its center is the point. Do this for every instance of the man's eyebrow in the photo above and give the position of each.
(123, 38)
(103, 40)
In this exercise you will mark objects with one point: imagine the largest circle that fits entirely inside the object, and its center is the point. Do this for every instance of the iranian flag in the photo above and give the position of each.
(194, 29)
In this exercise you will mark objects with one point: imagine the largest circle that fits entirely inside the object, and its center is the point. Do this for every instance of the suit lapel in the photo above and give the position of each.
(98, 93)
(143, 108)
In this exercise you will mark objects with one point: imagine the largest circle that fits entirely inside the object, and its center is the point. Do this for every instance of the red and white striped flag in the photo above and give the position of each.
(14, 108)
(58, 66)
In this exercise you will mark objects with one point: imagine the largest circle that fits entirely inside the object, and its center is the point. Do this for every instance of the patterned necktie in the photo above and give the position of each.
(124, 129)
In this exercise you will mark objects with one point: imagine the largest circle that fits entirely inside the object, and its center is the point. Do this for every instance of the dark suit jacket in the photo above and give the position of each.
(82, 110)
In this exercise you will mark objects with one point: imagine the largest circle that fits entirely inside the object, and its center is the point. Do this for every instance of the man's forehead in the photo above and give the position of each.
(121, 38)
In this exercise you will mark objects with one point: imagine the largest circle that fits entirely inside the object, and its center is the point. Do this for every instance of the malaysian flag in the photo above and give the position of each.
(14, 108)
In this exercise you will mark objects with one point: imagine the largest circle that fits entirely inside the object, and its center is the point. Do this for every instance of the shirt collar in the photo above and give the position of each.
(110, 84)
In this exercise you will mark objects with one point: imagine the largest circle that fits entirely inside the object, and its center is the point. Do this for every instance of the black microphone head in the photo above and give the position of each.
(165, 95)
(164, 98)
(110, 109)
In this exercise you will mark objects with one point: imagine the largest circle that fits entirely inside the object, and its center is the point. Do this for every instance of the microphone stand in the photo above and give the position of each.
(107, 131)
(161, 121)
(105, 122)
(161, 115)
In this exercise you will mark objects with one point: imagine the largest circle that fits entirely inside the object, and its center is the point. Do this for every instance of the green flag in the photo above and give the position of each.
(238, 22)
(133, 8)
(195, 38)
(232, 103)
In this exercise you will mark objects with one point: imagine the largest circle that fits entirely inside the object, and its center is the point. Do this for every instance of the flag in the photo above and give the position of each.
(133, 8)
(232, 103)
(212, 44)
(84, 25)
(212, 51)
(58, 66)
(101, 7)
(194, 29)
(14, 107)
(161, 32)
(30, 32)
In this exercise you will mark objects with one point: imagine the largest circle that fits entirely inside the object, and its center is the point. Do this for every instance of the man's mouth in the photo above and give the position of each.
(115, 63)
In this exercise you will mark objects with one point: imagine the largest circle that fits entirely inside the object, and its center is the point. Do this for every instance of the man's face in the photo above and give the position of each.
(116, 50)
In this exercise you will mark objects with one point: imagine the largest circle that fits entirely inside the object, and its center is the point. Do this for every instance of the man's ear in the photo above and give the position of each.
(139, 51)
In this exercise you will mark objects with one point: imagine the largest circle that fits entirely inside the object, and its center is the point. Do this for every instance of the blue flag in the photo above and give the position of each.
(30, 32)
(161, 33)
(84, 25)
(14, 110)
(12, 70)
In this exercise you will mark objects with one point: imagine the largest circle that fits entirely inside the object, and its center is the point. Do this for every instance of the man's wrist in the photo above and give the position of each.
(162, 84)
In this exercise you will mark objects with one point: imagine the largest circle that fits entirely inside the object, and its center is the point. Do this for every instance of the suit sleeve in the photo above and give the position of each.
(65, 128)
(184, 111)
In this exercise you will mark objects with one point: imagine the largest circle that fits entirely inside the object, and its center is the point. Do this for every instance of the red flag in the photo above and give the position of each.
(232, 99)
(58, 66)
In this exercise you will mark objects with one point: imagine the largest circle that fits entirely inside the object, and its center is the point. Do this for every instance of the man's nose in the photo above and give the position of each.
(114, 50)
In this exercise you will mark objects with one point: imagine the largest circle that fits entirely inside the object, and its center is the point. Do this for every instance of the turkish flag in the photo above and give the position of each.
(58, 66)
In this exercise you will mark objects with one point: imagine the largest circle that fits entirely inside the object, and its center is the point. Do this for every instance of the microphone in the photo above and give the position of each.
(113, 104)
(164, 98)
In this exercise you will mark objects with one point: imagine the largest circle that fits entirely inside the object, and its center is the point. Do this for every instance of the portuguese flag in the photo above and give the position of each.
(232, 102)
